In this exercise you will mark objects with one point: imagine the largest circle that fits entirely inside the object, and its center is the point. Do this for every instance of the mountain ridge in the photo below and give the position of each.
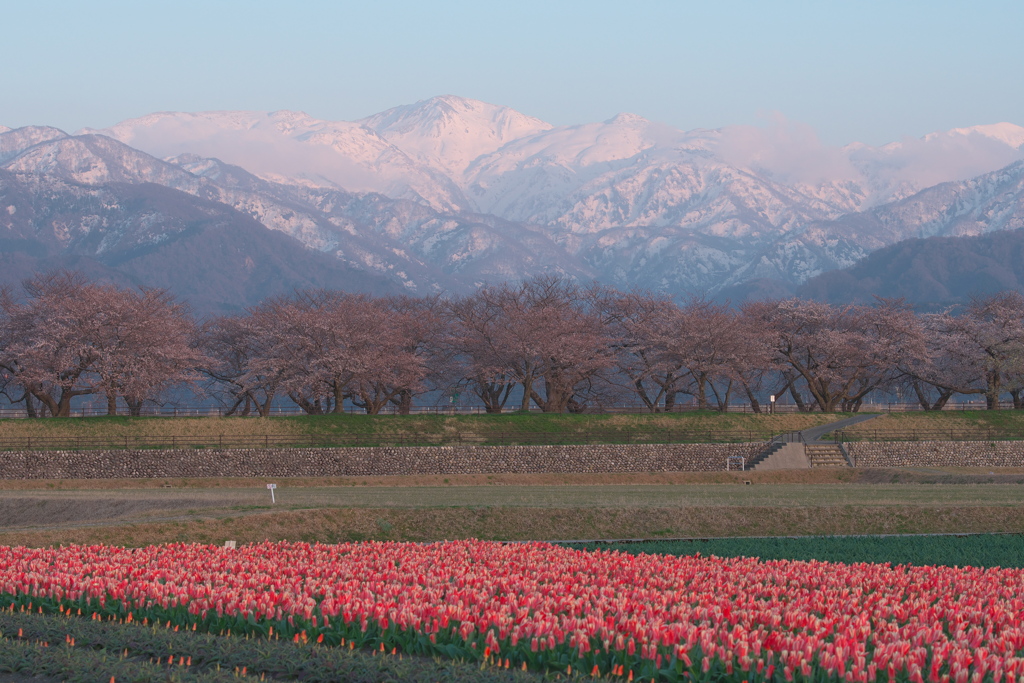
(447, 193)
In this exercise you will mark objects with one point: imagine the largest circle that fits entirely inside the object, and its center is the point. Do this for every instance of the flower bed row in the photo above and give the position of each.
(81, 650)
(557, 609)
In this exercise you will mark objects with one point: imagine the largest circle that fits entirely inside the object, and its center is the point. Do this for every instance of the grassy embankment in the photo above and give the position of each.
(496, 428)
(994, 424)
(415, 428)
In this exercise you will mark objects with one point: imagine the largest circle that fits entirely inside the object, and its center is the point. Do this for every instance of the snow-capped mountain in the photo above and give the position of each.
(987, 203)
(455, 153)
(449, 133)
(449, 192)
(1006, 133)
(417, 249)
(295, 148)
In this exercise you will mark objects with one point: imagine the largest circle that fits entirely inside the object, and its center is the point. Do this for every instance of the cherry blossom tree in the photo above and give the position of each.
(70, 337)
(236, 347)
(991, 336)
(642, 329)
(50, 351)
(548, 335)
(840, 353)
(477, 329)
(392, 367)
(424, 332)
(145, 345)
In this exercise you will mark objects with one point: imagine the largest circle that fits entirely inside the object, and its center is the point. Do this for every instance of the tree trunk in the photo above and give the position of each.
(798, 399)
(722, 398)
(339, 398)
(30, 405)
(404, 402)
(922, 398)
(524, 405)
(755, 405)
(313, 407)
(234, 406)
(493, 394)
(264, 408)
(112, 403)
(63, 406)
(702, 396)
(134, 407)
(993, 390)
(641, 391)
(1018, 402)
(943, 398)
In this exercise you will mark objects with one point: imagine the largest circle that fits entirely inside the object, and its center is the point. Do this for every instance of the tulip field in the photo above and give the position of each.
(552, 609)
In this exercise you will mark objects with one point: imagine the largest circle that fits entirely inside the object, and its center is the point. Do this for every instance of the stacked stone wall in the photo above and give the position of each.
(369, 461)
(937, 453)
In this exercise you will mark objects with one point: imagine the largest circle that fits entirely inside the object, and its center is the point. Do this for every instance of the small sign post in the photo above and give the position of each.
(272, 487)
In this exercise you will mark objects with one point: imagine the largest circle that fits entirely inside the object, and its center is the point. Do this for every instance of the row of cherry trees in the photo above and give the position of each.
(545, 342)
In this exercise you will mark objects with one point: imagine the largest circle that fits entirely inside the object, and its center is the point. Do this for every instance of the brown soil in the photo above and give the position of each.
(49, 512)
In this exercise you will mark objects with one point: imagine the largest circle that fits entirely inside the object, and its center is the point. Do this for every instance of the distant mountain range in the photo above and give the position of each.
(449, 193)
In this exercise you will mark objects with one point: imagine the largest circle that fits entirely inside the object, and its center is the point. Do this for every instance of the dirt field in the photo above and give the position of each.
(549, 507)
(42, 508)
(549, 523)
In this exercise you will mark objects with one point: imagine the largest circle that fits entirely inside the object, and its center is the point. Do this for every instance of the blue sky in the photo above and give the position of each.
(866, 71)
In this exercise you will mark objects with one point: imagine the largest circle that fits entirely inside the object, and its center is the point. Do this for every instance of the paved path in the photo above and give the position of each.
(813, 434)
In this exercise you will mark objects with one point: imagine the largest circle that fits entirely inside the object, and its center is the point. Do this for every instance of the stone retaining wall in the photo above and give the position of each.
(369, 461)
(937, 453)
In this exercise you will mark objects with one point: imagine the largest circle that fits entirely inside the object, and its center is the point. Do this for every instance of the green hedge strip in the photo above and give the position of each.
(980, 550)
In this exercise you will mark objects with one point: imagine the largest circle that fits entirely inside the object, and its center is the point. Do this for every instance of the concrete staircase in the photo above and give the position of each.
(825, 455)
(775, 447)
(782, 456)
(800, 450)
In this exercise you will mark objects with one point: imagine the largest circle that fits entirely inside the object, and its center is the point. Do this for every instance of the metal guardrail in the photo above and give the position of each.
(353, 440)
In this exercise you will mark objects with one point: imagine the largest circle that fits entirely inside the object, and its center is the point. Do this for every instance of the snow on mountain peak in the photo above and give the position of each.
(1008, 133)
(450, 131)
(4, 129)
(14, 142)
(292, 147)
(627, 119)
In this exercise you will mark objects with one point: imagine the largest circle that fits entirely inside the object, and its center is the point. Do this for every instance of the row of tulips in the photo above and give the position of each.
(549, 608)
